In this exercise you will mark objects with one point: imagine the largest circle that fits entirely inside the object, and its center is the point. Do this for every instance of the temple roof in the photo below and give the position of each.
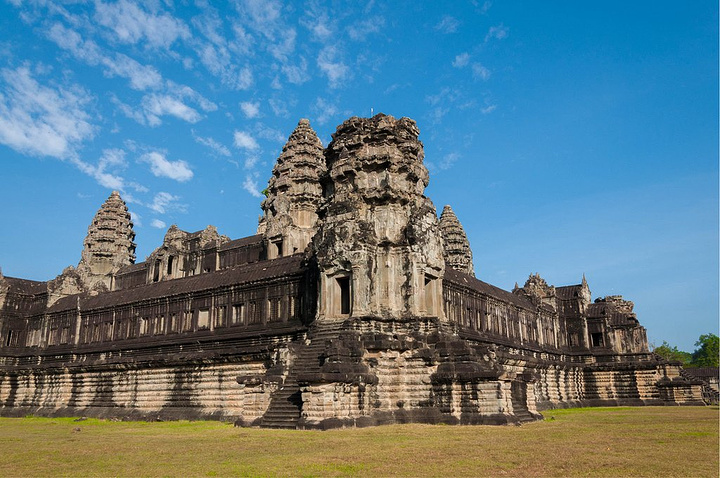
(258, 271)
(461, 278)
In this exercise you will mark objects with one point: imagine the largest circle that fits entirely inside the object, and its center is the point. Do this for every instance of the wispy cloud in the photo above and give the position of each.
(42, 120)
(498, 32)
(324, 110)
(334, 68)
(244, 140)
(131, 24)
(156, 105)
(250, 185)
(165, 202)
(250, 109)
(364, 28)
(161, 167)
(480, 72)
(157, 223)
(461, 60)
(447, 24)
(212, 144)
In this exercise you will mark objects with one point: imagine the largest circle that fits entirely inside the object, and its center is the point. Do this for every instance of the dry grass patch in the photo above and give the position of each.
(643, 441)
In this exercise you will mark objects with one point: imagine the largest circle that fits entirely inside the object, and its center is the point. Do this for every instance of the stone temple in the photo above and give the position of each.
(354, 305)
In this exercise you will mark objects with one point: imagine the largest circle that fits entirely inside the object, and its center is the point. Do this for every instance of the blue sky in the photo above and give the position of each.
(569, 137)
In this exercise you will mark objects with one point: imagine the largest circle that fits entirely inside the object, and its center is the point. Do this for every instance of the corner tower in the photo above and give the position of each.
(293, 194)
(378, 246)
(458, 254)
(108, 245)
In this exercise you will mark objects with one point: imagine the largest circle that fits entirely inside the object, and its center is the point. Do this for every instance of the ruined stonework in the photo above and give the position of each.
(293, 194)
(108, 245)
(457, 247)
(352, 306)
(378, 247)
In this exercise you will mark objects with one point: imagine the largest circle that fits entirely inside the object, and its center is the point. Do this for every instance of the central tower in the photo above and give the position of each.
(379, 247)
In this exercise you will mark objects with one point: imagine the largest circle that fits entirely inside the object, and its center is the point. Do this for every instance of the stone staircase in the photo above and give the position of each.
(709, 395)
(518, 398)
(286, 403)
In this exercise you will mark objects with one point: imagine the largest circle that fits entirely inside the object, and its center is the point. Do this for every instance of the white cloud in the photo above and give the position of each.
(448, 160)
(480, 72)
(161, 167)
(131, 24)
(263, 14)
(156, 105)
(251, 161)
(362, 29)
(250, 185)
(136, 219)
(499, 32)
(243, 140)
(250, 109)
(334, 69)
(157, 223)
(279, 107)
(164, 202)
(142, 77)
(212, 144)
(283, 48)
(296, 74)
(40, 120)
(461, 60)
(448, 24)
(271, 134)
(324, 110)
(488, 109)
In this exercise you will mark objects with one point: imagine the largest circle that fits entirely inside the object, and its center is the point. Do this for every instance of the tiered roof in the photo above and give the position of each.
(458, 254)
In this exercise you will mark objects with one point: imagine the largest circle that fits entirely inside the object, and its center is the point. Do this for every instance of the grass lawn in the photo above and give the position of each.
(624, 441)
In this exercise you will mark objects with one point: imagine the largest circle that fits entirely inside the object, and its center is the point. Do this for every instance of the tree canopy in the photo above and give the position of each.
(707, 351)
(705, 355)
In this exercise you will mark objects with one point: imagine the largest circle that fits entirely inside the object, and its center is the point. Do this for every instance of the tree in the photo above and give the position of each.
(672, 353)
(706, 355)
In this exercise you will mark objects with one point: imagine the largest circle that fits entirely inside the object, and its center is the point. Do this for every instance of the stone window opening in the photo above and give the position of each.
(203, 319)
(277, 248)
(344, 302)
(597, 339)
(9, 338)
(430, 285)
(171, 261)
(238, 317)
(156, 272)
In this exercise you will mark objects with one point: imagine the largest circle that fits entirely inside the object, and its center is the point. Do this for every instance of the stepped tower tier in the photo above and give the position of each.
(458, 254)
(108, 245)
(293, 194)
(378, 248)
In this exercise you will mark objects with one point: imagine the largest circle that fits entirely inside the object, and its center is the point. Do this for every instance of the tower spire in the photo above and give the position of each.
(109, 244)
(458, 254)
(294, 193)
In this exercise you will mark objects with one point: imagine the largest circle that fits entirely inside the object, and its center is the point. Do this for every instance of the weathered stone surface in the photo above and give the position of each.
(108, 245)
(209, 327)
(378, 247)
(457, 247)
(293, 194)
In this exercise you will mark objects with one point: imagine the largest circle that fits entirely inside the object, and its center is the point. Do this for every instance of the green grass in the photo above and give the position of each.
(643, 441)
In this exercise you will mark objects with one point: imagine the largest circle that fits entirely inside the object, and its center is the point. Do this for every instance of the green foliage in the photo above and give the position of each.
(707, 351)
(672, 353)
(705, 355)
